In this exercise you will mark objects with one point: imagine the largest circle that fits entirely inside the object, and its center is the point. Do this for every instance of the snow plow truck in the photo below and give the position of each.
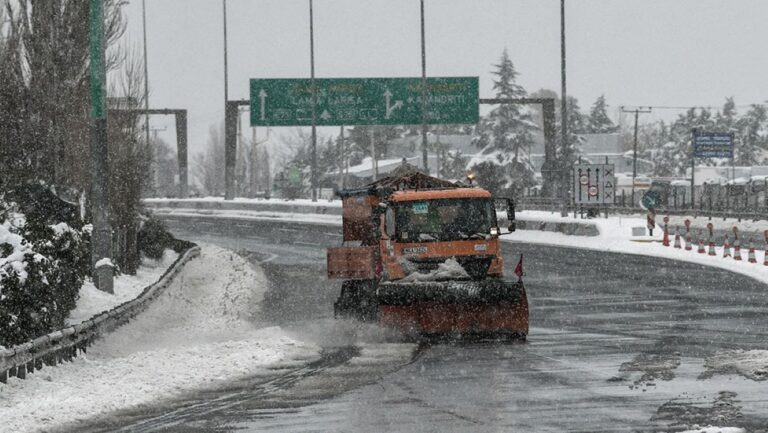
(421, 255)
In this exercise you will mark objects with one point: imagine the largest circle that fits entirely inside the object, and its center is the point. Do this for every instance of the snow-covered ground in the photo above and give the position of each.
(200, 331)
(93, 301)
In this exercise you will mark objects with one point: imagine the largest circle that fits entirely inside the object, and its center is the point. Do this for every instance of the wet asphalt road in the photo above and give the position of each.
(617, 343)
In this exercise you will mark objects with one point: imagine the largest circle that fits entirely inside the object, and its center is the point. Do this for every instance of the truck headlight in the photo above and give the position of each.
(494, 231)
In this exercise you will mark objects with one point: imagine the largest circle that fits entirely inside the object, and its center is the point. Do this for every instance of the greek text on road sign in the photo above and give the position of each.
(594, 184)
(363, 101)
(713, 144)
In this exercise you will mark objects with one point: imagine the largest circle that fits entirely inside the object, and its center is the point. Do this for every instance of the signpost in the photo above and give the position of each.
(713, 144)
(101, 244)
(364, 101)
(594, 184)
(708, 145)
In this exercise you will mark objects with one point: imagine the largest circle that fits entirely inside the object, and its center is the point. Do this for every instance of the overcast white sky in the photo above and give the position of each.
(636, 52)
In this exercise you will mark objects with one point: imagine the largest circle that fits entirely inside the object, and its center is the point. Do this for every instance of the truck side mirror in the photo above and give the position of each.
(511, 214)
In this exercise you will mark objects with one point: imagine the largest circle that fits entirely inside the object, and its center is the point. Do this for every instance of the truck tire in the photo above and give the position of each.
(357, 301)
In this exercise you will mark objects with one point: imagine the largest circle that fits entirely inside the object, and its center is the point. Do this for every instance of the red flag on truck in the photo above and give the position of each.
(519, 269)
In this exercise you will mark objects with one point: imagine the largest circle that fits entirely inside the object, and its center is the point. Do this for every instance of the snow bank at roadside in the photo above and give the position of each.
(616, 237)
(713, 429)
(197, 333)
(752, 364)
(93, 301)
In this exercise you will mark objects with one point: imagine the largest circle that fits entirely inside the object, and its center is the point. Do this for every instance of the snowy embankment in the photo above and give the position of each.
(93, 301)
(200, 331)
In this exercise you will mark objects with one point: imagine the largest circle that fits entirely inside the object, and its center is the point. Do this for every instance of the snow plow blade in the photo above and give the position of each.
(490, 307)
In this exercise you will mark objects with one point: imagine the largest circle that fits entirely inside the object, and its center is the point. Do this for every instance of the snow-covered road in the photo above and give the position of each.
(618, 343)
(202, 331)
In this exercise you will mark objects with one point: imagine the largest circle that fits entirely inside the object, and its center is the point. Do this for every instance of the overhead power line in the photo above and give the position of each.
(685, 107)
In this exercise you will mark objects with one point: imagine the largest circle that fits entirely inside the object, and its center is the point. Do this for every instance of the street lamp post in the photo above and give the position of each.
(425, 159)
(313, 171)
(566, 155)
(146, 90)
(226, 77)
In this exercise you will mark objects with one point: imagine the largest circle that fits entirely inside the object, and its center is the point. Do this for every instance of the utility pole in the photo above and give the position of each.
(229, 113)
(637, 112)
(424, 157)
(313, 169)
(563, 117)
(146, 90)
(226, 76)
(101, 249)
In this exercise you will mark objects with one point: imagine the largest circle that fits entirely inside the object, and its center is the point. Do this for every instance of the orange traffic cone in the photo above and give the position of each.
(665, 239)
(765, 259)
(688, 241)
(751, 253)
(700, 242)
(677, 237)
(737, 249)
(711, 251)
(726, 248)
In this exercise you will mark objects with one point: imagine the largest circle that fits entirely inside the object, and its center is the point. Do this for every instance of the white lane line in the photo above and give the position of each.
(272, 256)
(311, 244)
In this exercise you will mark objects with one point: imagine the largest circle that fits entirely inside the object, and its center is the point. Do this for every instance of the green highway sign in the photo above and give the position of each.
(363, 101)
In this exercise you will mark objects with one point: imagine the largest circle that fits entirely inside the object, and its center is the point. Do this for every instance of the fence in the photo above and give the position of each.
(65, 344)
(747, 201)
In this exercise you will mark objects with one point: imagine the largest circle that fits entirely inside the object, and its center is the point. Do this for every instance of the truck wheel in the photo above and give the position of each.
(357, 300)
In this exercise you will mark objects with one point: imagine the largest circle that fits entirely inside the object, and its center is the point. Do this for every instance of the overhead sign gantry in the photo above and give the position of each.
(363, 101)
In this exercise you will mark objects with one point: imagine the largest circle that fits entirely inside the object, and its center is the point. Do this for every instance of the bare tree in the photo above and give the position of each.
(44, 113)
(208, 166)
(130, 156)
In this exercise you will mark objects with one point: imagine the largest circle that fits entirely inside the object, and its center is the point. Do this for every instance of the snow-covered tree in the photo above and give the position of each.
(753, 136)
(598, 121)
(505, 136)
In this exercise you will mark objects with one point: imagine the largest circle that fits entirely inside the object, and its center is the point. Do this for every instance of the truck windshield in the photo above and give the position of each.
(446, 219)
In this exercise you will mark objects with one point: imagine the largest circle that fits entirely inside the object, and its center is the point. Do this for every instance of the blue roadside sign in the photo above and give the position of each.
(713, 144)
(651, 199)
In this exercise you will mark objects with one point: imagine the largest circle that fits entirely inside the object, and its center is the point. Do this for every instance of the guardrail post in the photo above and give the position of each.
(4, 376)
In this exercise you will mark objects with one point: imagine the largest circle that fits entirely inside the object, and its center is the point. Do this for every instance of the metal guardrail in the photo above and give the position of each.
(65, 344)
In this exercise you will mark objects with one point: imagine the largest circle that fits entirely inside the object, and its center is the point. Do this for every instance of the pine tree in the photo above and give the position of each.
(598, 121)
(504, 135)
(753, 135)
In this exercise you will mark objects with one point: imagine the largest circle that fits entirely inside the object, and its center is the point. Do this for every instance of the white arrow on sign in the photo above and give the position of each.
(325, 115)
(262, 98)
(390, 108)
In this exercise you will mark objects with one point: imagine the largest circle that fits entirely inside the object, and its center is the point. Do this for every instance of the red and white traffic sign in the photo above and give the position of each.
(594, 184)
